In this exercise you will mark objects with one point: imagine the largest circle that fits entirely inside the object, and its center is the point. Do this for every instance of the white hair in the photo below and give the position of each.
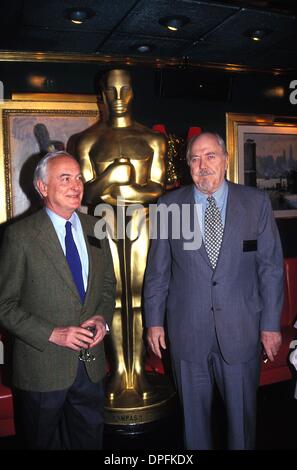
(40, 173)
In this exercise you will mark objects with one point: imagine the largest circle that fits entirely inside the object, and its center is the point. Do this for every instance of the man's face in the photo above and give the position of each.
(118, 92)
(207, 164)
(63, 190)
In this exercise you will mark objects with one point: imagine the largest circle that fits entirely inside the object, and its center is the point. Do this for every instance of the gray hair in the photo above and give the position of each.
(40, 172)
(220, 141)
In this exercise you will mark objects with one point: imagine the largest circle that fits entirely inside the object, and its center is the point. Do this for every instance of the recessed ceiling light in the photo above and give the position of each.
(142, 48)
(78, 15)
(174, 22)
(257, 34)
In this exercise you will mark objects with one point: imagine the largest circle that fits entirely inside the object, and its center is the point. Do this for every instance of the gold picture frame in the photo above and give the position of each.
(263, 153)
(20, 144)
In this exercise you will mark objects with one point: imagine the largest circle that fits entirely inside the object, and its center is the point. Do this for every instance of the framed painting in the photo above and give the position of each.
(263, 153)
(28, 130)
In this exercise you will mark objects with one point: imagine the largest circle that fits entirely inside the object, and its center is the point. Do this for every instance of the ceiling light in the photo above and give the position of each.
(174, 22)
(143, 48)
(257, 34)
(78, 15)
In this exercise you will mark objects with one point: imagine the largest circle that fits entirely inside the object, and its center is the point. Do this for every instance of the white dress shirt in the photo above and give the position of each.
(78, 236)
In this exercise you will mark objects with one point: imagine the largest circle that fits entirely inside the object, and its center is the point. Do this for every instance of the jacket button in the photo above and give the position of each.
(214, 283)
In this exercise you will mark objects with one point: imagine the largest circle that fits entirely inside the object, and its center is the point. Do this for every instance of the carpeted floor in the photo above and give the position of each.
(276, 426)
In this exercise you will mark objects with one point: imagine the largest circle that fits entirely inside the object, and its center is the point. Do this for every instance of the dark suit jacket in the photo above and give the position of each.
(37, 293)
(244, 294)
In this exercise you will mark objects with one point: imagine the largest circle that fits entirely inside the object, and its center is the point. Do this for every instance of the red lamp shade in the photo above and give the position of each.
(192, 132)
(160, 128)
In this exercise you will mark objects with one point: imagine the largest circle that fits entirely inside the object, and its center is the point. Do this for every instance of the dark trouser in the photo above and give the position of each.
(64, 419)
(237, 384)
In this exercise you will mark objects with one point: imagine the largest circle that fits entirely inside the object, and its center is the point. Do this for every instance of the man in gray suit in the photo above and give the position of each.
(222, 300)
(56, 281)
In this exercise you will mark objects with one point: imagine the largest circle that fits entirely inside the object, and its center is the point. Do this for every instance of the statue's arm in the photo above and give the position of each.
(83, 152)
(155, 184)
(117, 180)
(99, 183)
(117, 174)
(158, 169)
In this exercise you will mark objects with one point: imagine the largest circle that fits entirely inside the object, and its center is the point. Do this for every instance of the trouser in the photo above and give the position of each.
(237, 384)
(64, 419)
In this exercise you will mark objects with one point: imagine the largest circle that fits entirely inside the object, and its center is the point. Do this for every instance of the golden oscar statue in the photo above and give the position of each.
(123, 165)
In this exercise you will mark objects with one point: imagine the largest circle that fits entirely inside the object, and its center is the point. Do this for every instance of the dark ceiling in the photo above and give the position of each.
(216, 31)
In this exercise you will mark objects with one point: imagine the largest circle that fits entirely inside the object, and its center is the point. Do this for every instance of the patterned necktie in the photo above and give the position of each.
(213, 231)
(74, 261)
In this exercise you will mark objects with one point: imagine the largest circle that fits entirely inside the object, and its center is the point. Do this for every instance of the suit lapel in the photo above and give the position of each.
(233, 214)
(190, 199)
(51, 247)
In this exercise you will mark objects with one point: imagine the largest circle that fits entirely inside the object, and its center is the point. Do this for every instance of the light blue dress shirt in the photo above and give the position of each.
(221, 196)
(78, 236)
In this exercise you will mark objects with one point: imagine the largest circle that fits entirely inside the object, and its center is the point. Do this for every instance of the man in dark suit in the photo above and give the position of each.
(222, 299)
(56, 281)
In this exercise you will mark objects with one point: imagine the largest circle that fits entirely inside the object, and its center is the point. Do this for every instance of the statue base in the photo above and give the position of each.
(129, 410)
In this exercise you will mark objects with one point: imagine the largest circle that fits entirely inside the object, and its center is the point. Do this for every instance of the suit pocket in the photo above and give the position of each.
(249, 245)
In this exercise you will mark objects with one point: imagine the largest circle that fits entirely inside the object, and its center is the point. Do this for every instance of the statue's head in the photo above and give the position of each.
(117, 91)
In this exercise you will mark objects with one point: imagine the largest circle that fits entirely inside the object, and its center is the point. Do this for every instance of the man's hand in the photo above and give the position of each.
(156, 339)
(72, 337)
(100, 325)
(271, 341)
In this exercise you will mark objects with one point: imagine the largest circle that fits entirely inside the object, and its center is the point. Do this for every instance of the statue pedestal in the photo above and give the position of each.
(129, 410)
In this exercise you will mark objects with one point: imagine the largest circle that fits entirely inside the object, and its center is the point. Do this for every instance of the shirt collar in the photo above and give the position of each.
(59, 222)
(218, 195)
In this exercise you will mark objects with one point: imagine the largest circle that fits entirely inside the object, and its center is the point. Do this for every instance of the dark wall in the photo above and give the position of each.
(170, 97)
(247, 93)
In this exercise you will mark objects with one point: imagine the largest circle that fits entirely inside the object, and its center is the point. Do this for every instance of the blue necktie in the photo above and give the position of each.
(73, 261)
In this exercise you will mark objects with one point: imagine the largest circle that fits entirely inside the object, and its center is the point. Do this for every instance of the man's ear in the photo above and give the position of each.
(42, 188)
